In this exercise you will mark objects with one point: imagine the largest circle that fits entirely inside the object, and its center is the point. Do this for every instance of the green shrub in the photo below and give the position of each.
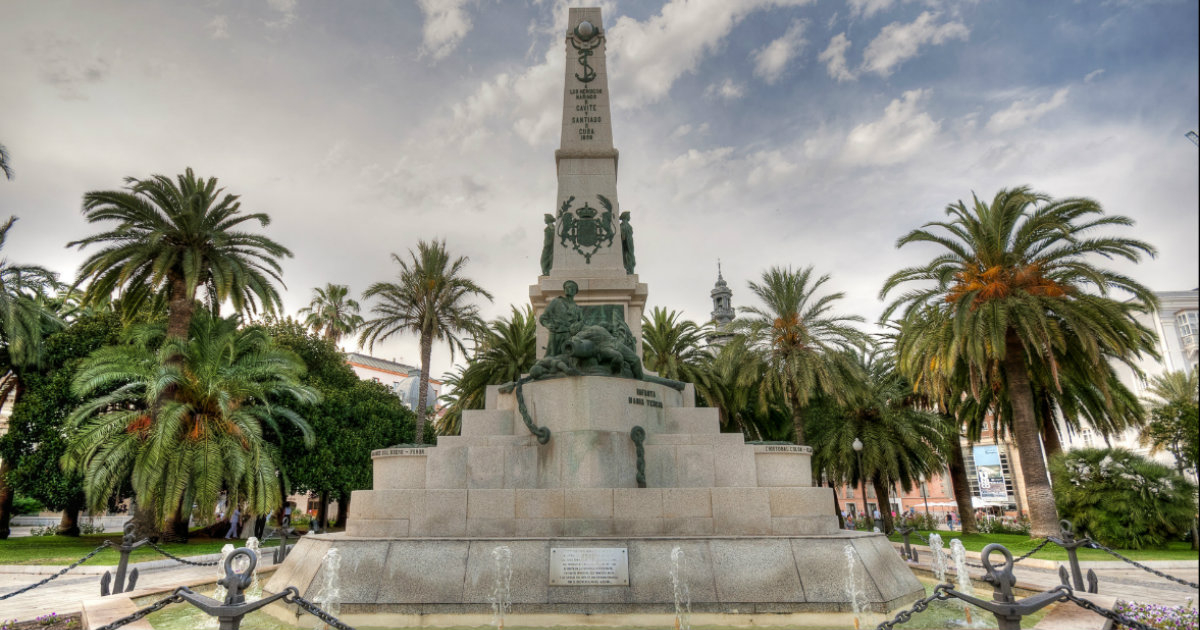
(26, 505)
(1121, 499)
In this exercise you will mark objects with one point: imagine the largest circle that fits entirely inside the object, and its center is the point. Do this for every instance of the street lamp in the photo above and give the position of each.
(862, 478)
(924, 495)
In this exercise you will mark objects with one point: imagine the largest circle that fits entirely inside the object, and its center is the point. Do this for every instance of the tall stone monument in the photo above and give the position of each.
(591, 240)
(590, 471)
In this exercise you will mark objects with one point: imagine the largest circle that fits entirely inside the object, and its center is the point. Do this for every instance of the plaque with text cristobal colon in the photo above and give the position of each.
(589, 566)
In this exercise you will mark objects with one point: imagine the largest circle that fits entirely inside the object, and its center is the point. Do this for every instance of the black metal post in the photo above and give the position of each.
(1067, 541)
(118, 584)
(229, 613)
(908, 551)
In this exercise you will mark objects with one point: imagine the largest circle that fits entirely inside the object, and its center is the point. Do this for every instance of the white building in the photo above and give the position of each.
(1175, 324)
(403, 380)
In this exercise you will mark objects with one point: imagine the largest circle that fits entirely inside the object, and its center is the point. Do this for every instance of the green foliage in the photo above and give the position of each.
(673, 348)
(1012, 308)
(1122, 499)
(170, 238)
(733, 381)
(26, 505)
(804, 343)
(37, 430)
(429, 299)
(332, 313)
(1174, 417)
(504, 350)
(205, 437)
(899, 441)
(353, 418)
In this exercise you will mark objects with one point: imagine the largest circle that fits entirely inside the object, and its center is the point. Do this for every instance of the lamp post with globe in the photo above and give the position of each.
(862, 477)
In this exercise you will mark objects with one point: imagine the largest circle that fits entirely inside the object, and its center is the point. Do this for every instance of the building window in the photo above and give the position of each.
(1186, 324)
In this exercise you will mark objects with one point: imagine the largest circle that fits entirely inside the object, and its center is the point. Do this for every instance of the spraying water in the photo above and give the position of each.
(501, 589)
(854, 594)
(330, 595)
(937, 557)
(255, 590)
(683, 595)
(220, 592)
(961, 576)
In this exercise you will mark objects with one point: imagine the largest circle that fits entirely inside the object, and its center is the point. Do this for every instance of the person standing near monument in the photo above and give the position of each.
(627, 243)
(563, 318)
(548, 246)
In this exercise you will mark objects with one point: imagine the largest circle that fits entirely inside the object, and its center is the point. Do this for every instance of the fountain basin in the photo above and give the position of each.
(448, 581)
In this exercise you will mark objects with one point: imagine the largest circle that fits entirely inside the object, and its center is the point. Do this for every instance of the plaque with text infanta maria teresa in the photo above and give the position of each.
(589, 566)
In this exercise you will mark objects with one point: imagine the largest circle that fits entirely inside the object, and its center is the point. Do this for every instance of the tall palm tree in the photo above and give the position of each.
(24, 324)
(207, 437)
(731, 380)
(5, 164)
(673, 348)
(504, 350)
(331, 313)
(805, 343)
(172, 238)
(1013, 277)
(429, 298)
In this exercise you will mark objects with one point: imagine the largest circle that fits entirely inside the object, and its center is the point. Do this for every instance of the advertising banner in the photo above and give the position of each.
(991, 475)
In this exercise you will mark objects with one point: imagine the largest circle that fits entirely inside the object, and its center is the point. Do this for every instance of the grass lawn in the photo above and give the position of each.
(1019, 544)
(65, 550)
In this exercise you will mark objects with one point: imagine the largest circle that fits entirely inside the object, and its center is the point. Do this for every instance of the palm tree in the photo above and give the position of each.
(901, 442)
(428, 299)
(1012, 281)
(24, 324)
(504, 350)
(731, 380)
(805, 344)
(207, 437)
(5, 164)
(331, 314)
(172, 238)
(1175, 413)
(673, 348)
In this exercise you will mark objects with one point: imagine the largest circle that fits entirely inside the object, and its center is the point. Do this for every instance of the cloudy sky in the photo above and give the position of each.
(760, 132)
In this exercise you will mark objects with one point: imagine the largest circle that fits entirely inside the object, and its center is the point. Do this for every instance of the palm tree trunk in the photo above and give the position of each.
(323, 510)
(1043, 514)
(423, 395)
(179, 309)
(343, 511)
(1050, 438)
(884, 501)
(6, 500)
(7, 494)
(837, 504)
(68, 525)
(797, 417)
(175, 529)
(962, 488)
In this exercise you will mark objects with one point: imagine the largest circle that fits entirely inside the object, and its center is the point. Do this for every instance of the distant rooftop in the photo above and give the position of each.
(376, 363)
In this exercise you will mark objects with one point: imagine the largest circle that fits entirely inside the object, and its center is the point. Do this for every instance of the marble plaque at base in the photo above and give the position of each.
(589, 566)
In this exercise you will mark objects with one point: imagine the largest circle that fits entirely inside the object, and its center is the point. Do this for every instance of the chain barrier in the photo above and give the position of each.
(940, 593)
(181, 560)
(173, 598)
(292, 596)
(1116, 617)
(1096, 545)
(78, 562)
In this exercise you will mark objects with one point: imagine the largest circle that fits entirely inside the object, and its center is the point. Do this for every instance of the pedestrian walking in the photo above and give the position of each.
(234, 519)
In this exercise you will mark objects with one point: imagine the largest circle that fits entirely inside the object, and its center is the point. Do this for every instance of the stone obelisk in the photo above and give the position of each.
(591, 245)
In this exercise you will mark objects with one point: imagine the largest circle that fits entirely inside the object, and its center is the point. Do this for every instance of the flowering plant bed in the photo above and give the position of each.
(1161, 617)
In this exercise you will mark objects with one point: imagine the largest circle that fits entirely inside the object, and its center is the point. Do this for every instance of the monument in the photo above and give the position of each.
(590, 470)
